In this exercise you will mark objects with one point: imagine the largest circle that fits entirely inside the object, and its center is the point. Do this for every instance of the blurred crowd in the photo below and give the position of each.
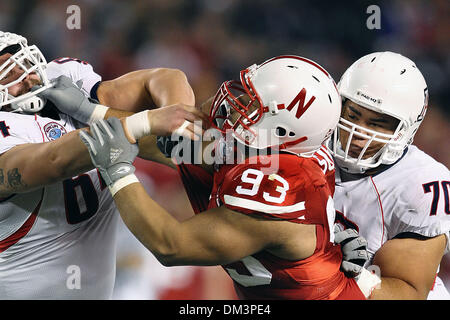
(211, 41)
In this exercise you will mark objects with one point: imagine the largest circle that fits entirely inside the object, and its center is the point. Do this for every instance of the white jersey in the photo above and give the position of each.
(57, 242)
(411, 196)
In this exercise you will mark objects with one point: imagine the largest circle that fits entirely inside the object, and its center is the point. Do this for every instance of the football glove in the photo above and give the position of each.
(354, 251)
(70, 99)
(110, 151)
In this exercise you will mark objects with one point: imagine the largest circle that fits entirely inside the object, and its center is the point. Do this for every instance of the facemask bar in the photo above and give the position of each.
(229, 103)
(29, 59)
(220, 108)
(342, 152)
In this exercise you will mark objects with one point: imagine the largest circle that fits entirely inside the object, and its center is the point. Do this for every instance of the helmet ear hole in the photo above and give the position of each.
(280, 132)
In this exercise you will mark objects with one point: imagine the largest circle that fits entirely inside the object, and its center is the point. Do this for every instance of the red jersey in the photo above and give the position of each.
(292, 188)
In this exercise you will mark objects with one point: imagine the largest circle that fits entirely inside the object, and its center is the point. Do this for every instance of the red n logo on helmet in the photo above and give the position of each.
(300, 98)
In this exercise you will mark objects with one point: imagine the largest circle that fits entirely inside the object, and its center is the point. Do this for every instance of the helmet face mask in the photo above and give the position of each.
(355, 145)
(237, 106)
(21, 67)
(288, 103)
(391, 86)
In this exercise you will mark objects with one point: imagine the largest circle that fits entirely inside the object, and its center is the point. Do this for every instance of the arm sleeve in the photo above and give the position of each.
(76, 70)
(19, 129)
(423, 207)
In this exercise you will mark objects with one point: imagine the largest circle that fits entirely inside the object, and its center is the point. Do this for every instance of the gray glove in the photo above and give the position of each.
(111, 152)
(69, 98)
(354, 251)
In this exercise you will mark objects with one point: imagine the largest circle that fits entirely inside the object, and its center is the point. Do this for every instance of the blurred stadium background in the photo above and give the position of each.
(211, 41)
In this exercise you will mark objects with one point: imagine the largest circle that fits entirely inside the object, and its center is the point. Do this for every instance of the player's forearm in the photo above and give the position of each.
(215, 237)
(152, 225)
(148, 150)
(396, 289)
(22, 166)
(117, 113)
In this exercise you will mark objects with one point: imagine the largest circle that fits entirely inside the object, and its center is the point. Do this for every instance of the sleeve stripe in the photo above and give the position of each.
(261, 207)
(94, 89)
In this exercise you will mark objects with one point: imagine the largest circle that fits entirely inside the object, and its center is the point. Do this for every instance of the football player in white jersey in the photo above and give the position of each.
(57, 218)
(395, 195)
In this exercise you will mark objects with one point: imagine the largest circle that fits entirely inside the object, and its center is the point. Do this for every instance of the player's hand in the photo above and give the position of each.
(69, 98)
(110, 151)
(178, 119)
(354, 251)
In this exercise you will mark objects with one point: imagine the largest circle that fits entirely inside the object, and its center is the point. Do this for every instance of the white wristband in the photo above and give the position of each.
(122, 182)
(367, 282)
(98, 114)
(138, 125)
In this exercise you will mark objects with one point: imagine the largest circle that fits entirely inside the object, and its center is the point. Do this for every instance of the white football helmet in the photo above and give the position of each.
(30, 60)
(287, 102)
(387, 83)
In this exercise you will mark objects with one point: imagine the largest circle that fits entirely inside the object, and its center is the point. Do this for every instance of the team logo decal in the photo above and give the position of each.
(54, 131)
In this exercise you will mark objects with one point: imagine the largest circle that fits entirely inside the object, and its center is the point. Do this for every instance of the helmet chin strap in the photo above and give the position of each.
(32, 104)
(350, 167)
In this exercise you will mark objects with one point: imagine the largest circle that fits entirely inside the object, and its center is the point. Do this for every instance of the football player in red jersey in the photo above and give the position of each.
(269, 217)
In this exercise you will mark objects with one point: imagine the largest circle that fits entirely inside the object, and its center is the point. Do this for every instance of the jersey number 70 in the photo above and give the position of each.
(434, 186)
